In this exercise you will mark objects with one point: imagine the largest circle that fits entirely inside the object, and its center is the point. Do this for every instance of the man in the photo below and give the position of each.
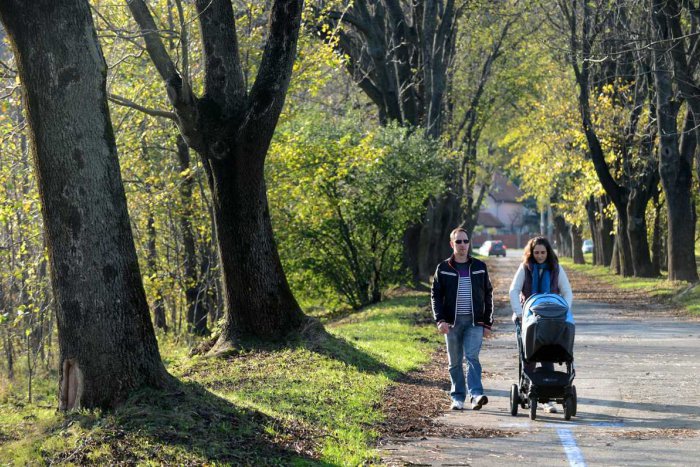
(462, 301)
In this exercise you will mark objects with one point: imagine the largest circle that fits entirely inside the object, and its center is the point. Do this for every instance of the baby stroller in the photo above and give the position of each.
(546, 335)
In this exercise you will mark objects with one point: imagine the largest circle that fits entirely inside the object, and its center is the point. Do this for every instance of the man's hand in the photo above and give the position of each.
(443, 327)
(487, 333)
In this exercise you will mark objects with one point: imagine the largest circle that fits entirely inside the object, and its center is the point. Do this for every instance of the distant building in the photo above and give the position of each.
(503, 216)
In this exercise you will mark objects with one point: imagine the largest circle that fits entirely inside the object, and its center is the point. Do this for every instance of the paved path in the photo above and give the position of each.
(638, 384)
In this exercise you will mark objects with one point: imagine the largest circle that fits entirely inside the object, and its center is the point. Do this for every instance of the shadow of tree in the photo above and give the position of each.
(202, 428)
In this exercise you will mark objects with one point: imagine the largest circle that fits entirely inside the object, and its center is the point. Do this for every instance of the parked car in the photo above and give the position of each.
(587, 246)
(493, 248)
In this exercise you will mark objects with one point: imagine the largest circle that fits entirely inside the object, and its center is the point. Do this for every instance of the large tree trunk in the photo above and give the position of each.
(675, 157)
(231, 129)
(637, 233)
(676, 179)
(443, 215)
(106, 339)
(624, 250)
(255, 284)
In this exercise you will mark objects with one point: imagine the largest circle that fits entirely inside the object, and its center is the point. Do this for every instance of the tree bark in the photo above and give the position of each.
(675, 157)
(577, 243)
(637, 234)
(231, 129)
(106, 339)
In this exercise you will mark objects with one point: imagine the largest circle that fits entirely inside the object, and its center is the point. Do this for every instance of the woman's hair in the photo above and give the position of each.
(528, 257)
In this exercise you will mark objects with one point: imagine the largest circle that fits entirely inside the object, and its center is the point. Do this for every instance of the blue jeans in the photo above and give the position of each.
(464, 341)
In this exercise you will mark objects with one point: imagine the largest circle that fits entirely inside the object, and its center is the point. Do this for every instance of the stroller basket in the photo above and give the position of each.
(548, 329)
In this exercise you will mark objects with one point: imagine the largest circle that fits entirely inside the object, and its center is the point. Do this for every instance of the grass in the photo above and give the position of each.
(678, 292)
(311, 402)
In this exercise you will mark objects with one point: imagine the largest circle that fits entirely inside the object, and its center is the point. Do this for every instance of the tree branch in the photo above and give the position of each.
(270, 88)
(123, 101)
(224, 81)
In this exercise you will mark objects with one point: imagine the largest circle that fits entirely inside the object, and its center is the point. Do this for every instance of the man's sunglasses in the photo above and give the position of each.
(459, 242)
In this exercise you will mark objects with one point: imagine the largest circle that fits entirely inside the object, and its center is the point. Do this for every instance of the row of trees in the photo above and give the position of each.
(362, 175)
(99, 295)
(104, 327)
(630, 74)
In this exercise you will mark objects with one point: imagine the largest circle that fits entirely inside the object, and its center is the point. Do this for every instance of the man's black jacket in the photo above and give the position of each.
(443, 294)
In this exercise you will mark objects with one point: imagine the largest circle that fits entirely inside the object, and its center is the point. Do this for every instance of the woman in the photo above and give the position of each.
(539, 272)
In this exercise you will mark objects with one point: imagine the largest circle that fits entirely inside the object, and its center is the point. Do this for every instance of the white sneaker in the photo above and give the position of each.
(479, 401)
(457, 405)
(548, 407)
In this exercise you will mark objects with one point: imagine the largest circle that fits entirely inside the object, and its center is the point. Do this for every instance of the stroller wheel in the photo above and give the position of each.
(533, 407)
(574, 402)
(514, 399)
(569, 407)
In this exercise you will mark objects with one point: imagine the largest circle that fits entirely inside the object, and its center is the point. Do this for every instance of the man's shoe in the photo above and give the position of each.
(479, 401)
(548, 407)
(457, 405)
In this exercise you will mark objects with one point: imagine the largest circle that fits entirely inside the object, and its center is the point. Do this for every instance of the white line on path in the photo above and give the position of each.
(573, 453)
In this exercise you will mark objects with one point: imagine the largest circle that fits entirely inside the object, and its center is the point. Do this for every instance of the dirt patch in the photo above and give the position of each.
(667, 433)
(412, 407)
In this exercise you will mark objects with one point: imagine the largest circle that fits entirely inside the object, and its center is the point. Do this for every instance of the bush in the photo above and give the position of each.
(341, 199)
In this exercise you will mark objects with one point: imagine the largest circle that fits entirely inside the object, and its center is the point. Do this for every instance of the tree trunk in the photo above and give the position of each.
(675, 157)
(196, 308)
(604, 239)
(9, 356)
(434, 241)
(563, 236)
(106, 339)
(231, 128)
(657, 239)
(624, 250)
(637, 233)
(577, 243)
(158, 305)
(255, 288)
(615, 261)
(592, 223)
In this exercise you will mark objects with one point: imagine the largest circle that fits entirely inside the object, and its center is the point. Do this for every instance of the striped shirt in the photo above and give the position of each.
(464, 290)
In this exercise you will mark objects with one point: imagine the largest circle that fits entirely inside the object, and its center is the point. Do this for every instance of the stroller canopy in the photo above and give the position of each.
(548, 329)
(547, 305)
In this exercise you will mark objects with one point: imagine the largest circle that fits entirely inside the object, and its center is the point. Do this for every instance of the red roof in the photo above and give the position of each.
(486, 219)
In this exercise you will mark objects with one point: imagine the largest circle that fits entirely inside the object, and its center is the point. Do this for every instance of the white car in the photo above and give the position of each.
(493, 248)
(587, 246)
